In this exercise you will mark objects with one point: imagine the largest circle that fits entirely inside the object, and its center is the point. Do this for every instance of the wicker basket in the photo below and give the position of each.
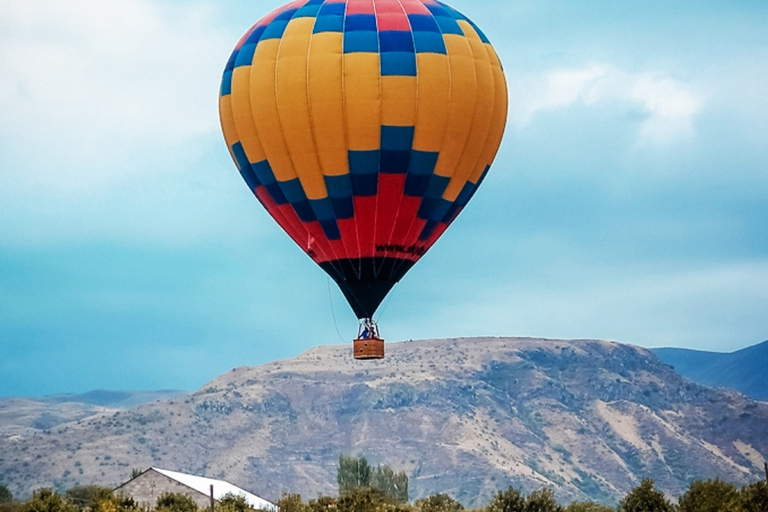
(372, 348)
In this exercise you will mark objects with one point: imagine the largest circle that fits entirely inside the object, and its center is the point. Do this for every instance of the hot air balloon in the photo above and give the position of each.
(364, 127)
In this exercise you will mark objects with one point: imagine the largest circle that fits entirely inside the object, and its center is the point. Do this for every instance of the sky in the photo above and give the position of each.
(628, 201)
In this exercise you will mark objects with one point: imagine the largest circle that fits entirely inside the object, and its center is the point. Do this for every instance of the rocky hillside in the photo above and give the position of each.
(745, 370)
(464, 416)
(44, 413)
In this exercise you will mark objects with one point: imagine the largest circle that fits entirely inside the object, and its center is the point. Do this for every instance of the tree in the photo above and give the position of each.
(7, 503)
(291, 503)
(587, 506)
(353, 473)
(542, 501)
(233, 503)
(362, 499)
(321, 504)
(119, 503)
(645, 498)
(393, 485)
(507, 501)
(752, 498)
(87, 496)
(47, 500)
(5, 495)
(707, 496)
(174, 502)
(439, 503)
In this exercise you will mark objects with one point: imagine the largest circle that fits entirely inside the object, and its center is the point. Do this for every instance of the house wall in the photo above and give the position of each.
(150, 485)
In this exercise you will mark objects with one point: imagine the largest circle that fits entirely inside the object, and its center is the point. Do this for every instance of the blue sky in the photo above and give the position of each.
(629, 200)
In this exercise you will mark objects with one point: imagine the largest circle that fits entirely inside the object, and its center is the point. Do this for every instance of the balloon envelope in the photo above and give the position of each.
(364, 127)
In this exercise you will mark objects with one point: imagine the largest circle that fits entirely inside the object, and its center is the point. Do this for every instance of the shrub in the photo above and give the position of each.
(321, 504)
(707, 496)
(5, 495)
(542, 501)
(118, 503)
(752, 498)
(588, 506)
(363, 499)
(174, 502)
(7, 503)
(355, 473)
(87, 496)
(507, 501)
(47, 500)
(438, 503)
(233, 503)
(645, 498)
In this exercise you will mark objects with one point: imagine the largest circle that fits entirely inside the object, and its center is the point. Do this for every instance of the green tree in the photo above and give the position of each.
(439, 503)
(7, 503)
(321, 504)
(5, 495)
(542, 500)
(353, 473)
(507, 501)
(362, 499)
(119, 503)
(588, 506)
(175, 502)
(291, 503)
(707, 496)
(645, 498)
(87, 496)
(47, 500)
(752, 498)
(11, 506)
(393, 485)
(233, 503)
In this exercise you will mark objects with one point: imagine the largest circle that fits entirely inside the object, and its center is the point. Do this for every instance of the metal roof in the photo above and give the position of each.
(220, 488)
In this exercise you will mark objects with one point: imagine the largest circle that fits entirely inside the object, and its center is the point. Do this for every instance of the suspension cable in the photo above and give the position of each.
(333, 313)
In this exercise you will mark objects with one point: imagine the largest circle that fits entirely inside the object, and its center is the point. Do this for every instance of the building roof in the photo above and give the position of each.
(220, 488)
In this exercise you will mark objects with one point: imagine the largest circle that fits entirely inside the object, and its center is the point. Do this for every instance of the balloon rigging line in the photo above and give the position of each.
(385, 303)
(333, 313)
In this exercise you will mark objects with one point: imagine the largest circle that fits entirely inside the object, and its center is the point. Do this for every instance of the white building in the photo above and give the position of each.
(147, 487)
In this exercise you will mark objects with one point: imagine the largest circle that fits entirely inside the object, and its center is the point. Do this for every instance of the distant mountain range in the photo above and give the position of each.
(43, 413)
(745, 370)
(466, 417)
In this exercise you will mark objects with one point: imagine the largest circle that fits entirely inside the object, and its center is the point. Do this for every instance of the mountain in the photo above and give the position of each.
(466, 417)
(114, 399)
(745, 370)
(46, 412)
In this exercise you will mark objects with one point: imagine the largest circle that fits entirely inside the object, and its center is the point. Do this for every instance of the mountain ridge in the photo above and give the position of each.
(744, 370)
(46, 412)
(466, 417)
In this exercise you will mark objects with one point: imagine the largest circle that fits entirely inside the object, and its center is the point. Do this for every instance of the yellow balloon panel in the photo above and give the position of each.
(434, 92)
(462, 103)
(326, 100)
(362, 100)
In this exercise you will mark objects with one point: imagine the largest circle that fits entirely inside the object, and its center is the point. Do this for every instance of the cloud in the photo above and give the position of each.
(670, 105)
(109, 126)
(85, 85)
(718, 306)
(667, 106)
(551, 91)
